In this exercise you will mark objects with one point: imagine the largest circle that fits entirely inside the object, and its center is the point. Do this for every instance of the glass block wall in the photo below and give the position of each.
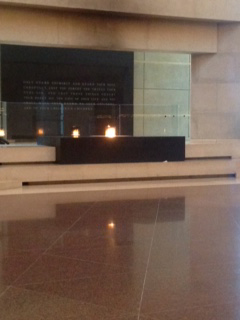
(162, 94)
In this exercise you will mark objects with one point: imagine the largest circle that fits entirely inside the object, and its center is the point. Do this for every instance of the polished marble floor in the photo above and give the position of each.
(169, 253)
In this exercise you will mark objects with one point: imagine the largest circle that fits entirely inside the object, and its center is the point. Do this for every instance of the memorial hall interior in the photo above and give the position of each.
(143, 224)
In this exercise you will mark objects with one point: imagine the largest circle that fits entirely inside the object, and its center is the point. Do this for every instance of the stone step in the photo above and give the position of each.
(10, 184)
(50, 173)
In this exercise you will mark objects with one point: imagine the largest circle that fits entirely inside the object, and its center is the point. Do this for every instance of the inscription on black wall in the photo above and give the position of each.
(80, 92)
(99, 80)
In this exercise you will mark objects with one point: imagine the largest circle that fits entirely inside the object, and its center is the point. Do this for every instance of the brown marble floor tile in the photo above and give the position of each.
(169, 257)
(119, 291)
(185, 276)
(52, 268)
(134, 317)
(215, 254)
(13, 266)
(25, 236)
(127, 256)
(2, 288)
(70, 212)
(236, 215)
(22, 304)
(191, 293)
(213, 223)
(174, 245)
(123, 214)
(116, 317)
(215, 312)
(29, 243)
(138, 206)
(97, 272)
(63, 218)
(128, 235)
(126, 244)
(205, 196)
(191, 285)
(77, 289)
(82, 240)
(90, 232)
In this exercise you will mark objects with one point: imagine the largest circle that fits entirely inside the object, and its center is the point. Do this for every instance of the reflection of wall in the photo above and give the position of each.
(169, 251)
(161, 93)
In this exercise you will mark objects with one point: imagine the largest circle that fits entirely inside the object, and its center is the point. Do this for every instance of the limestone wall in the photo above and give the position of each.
(69, 29)
(215, 103)
(220, 10)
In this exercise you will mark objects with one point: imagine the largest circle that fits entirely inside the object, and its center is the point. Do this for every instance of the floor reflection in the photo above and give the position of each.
(175, 256)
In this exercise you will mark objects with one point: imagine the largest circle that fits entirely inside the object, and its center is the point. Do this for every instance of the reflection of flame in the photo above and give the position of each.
(76, 133)
(110, 132)
(40, 132)
(2, 133)
(111, 225)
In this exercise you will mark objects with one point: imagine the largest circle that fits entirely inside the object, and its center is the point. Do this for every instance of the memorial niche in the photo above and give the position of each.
(54, 89)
